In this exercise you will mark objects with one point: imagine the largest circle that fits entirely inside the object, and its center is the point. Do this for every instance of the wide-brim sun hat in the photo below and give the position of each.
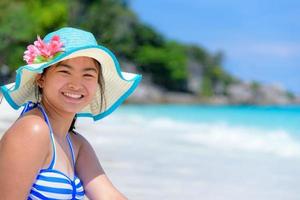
(74, 43)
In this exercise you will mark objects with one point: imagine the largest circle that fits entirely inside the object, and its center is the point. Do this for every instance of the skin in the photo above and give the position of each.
(29, 135)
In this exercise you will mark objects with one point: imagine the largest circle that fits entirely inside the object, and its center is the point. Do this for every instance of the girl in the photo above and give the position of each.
(68, 75)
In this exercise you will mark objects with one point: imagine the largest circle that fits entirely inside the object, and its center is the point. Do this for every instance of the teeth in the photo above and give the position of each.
(75, 96)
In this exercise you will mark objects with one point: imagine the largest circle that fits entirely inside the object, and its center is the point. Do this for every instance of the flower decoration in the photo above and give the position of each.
(42, 52)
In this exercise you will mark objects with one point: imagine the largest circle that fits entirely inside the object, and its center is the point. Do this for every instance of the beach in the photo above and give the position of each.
(196, 152)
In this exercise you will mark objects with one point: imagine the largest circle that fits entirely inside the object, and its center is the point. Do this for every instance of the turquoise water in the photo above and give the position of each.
(265, 117)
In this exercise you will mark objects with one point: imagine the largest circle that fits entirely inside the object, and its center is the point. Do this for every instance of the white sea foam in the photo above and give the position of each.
(218, 136)
(224, 137)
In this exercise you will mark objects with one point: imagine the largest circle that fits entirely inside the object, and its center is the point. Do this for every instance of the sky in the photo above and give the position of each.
(260, 39)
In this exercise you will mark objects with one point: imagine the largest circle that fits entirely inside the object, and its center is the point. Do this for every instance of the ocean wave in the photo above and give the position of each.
(224, 137)
(218, 135)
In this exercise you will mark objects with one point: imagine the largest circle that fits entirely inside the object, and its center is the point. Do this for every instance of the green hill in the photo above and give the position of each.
(170, 64)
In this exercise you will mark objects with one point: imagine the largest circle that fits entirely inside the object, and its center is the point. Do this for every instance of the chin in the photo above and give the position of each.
(69, 107)
(73, 108)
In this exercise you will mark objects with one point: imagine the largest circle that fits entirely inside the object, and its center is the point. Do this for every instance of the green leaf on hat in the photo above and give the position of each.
(39, 59)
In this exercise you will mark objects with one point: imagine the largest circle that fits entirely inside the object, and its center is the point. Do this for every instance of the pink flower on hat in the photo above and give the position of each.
(42, 52)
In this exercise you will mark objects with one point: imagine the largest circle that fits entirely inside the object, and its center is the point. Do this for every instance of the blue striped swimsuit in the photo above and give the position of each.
(51, 184)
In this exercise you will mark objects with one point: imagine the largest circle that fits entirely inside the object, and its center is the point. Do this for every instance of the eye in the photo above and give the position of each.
(89, 75)
(64, 71)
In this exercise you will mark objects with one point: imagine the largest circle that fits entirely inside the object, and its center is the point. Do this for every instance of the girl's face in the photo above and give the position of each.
(71, 84)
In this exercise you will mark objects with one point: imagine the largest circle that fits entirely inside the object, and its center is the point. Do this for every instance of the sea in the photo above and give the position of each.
(196, 152)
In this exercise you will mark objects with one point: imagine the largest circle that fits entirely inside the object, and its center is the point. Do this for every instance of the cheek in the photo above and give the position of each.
(54, 83)
(92, 88)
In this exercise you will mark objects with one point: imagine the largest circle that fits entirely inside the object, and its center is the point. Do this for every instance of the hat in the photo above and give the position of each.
(63, 44)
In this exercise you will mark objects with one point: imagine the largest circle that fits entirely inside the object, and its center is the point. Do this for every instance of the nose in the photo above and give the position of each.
(74, 84)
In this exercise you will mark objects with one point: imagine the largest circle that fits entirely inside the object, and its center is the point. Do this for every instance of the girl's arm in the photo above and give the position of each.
(96, 184)
(23, 149)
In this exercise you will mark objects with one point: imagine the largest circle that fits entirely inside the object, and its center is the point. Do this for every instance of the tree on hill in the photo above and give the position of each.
(115, 26)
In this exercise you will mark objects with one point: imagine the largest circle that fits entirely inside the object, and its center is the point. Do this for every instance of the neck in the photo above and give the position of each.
(60, 121)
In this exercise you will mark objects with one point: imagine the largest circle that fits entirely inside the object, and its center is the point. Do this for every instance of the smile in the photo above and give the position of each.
(71, 95)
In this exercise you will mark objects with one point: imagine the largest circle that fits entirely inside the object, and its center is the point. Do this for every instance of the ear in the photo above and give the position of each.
(39, 79)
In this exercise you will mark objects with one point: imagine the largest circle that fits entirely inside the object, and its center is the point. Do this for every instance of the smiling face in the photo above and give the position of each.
(71, 84)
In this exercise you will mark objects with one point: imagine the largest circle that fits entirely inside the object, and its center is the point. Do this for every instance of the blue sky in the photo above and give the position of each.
(260, 39)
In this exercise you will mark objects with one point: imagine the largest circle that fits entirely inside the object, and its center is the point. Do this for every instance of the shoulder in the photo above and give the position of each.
(23, 150)
(85, 149)
(28, 130)
(80, 141)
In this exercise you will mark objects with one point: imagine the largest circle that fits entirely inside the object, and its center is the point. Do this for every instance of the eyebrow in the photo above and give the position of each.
(85, 69)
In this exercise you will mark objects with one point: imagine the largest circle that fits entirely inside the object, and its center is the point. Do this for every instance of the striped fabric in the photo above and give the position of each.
(51, 184)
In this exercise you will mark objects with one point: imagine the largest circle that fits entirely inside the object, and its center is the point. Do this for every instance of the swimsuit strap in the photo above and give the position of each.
(52, 138)
(72, 151)
(41, 108)
(29, 106)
